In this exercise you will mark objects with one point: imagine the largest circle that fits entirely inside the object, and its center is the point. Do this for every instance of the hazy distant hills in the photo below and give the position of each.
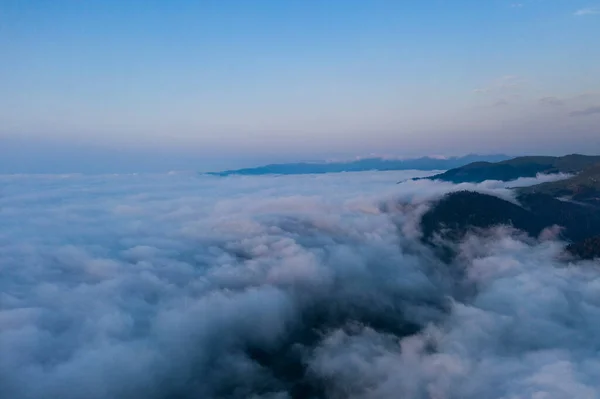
(573, 203)
(379, 164)
(511, 169)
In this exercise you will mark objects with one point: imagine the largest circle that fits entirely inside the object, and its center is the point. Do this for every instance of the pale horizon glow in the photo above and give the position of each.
(216, 85)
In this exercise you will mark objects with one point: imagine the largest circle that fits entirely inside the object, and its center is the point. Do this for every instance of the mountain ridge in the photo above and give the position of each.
(366, 164)
(573, 204)
(512, 169)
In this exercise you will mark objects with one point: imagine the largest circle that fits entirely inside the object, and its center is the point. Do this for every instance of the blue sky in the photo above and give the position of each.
(212, 84)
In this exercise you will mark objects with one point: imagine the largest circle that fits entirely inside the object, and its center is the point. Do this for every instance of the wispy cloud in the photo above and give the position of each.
(586, 112)
(503, 84)
(587, 11)
(552, 101)
(509, 81)
(588, 95)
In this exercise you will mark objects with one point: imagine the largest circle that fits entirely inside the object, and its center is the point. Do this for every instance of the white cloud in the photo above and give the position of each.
(180, 285)
(587, 11)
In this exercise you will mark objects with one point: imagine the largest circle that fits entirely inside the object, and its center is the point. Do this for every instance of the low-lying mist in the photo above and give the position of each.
(181, 286)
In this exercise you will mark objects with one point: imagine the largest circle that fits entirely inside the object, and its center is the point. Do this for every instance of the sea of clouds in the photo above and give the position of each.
(180, 286)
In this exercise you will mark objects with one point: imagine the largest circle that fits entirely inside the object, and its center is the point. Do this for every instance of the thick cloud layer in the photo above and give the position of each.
(179, 286)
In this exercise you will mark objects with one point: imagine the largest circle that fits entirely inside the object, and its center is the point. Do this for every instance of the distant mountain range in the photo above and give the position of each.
(379, 164)
(573, 203)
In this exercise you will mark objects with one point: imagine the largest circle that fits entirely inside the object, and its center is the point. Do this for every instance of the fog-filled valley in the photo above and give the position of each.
(182, 286)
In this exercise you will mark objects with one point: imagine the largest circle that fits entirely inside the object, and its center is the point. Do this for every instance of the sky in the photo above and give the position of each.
(205, 85)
